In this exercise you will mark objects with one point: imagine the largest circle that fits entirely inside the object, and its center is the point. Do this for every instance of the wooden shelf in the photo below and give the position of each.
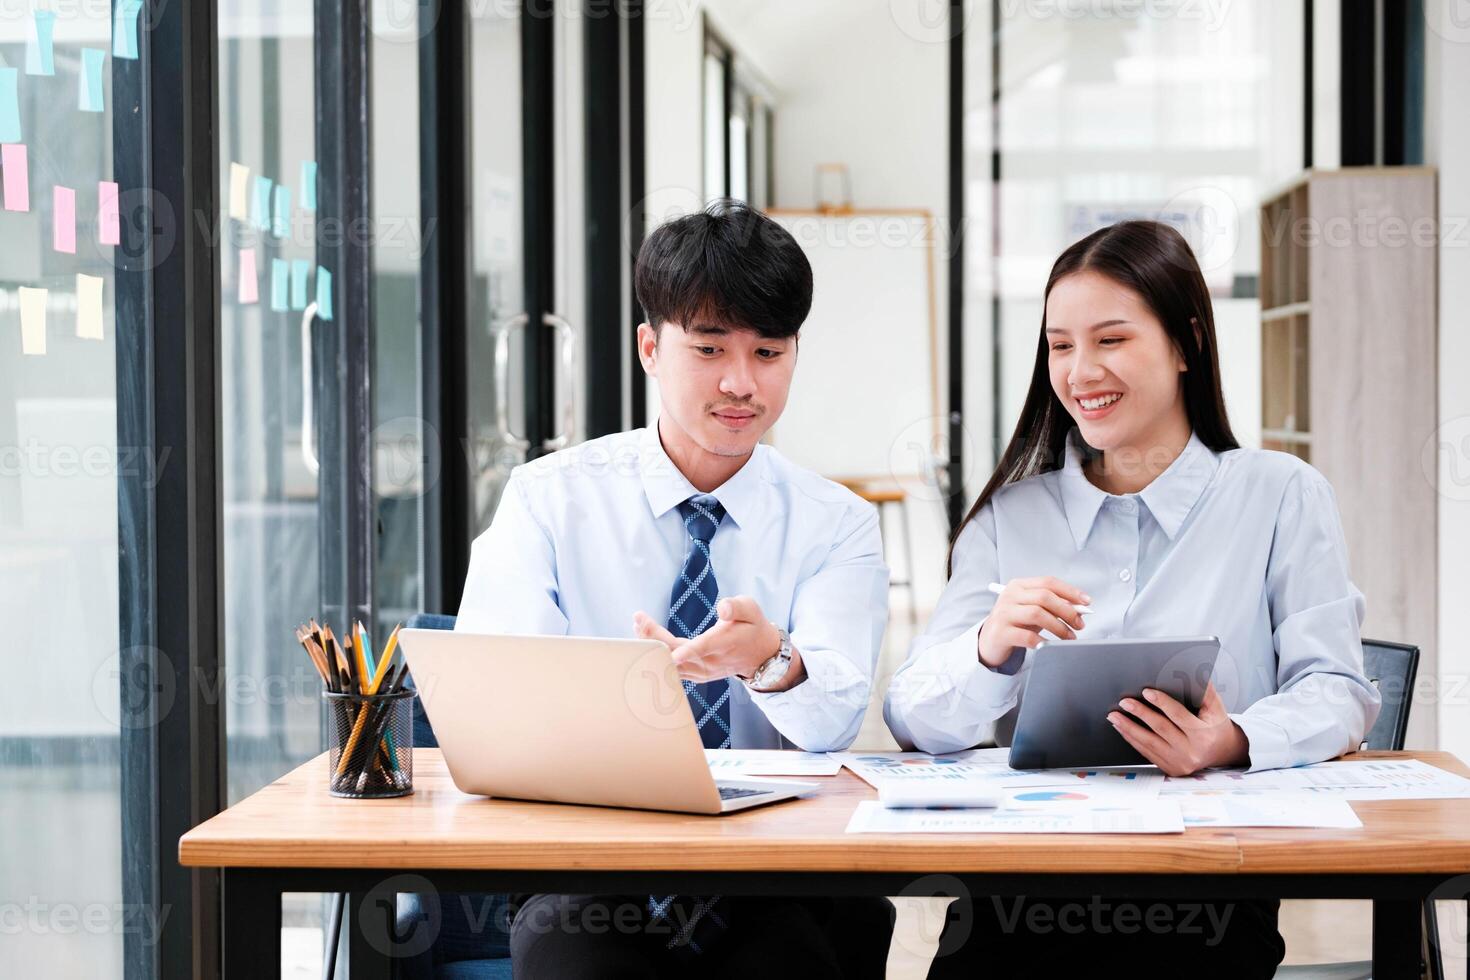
(1349, 378)
(1289, 310)
(1284, 435)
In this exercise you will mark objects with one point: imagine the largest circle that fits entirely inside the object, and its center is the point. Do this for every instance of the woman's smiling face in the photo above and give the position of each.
(1112, 363)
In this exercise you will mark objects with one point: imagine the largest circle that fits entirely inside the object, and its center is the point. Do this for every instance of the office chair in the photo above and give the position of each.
(1392, 668)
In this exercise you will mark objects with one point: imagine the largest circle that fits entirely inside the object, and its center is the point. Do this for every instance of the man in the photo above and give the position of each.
(765, 580)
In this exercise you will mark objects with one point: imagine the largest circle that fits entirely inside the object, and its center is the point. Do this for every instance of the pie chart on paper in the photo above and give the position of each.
(1049, 795)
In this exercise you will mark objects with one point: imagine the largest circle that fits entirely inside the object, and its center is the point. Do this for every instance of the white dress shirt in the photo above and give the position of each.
(586, 537)
(1245, 545)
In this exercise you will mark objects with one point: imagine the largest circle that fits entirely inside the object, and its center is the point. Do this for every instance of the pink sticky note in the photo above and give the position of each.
(108, 229)
(17, 177)
(64, 219)
(249, 281)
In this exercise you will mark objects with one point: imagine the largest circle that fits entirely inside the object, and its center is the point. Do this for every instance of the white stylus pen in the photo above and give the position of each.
(997, 588)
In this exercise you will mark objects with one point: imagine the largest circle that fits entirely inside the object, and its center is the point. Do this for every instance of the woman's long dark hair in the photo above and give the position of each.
(1156, 262)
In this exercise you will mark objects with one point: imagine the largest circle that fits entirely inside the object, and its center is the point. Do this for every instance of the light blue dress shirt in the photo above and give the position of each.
(586, 537)
(1245, 545)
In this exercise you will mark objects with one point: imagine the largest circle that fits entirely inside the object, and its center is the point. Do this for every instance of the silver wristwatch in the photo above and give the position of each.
(773, 671)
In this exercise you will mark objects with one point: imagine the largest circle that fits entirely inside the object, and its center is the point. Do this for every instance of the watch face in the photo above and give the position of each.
(774, 670)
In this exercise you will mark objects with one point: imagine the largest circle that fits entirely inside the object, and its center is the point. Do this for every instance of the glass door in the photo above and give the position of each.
(284, 404)
(525, 333)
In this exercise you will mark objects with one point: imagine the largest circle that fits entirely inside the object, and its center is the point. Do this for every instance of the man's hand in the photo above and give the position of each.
(735, 646)
(1176, 740)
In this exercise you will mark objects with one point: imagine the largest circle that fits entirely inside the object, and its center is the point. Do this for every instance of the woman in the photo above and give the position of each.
(1123, 489)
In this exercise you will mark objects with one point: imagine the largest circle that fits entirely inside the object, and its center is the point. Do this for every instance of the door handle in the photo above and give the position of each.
(568, 337)
(308, 394)
(501, 331)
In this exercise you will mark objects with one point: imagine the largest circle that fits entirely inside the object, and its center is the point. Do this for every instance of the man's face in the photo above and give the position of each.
(721, 387)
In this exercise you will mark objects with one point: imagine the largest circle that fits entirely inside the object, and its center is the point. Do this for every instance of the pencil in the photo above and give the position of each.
(317, 659)
(361, 662)
(377, 716)
(344, 661)
(378, 713)
(327, 655)
(367, 650)
(384, 664)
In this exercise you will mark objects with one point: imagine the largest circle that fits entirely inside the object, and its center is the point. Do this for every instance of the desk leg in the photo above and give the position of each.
(1397, 939)
(371, 934)
(252, 925)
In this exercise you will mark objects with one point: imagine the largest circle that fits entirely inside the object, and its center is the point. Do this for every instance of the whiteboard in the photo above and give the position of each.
(864, 404)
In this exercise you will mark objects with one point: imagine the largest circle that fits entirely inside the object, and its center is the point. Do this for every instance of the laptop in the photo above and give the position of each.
(572, 720)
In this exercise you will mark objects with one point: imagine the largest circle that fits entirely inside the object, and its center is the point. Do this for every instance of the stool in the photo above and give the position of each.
(883, 497)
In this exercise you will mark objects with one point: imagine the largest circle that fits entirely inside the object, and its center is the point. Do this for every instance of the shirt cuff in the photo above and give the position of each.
(1269, 748)
(807, 713)
(993, 689)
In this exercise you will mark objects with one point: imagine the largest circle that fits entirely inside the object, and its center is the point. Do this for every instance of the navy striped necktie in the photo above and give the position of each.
(691, 612)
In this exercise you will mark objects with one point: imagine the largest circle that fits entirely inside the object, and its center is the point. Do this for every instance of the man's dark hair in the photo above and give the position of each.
(726, 266)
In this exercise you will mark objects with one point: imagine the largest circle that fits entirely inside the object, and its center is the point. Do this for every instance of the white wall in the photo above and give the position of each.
(1447, 450)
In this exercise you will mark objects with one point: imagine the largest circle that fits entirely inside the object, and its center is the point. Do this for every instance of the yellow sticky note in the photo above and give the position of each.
(89, 307)
(32, 320)
(239, 183)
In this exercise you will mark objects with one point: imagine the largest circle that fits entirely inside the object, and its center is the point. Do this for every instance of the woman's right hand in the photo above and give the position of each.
(1025, 608)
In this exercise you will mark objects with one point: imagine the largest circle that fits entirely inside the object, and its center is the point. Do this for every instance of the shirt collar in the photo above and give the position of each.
(667, 488)
(1169, 498)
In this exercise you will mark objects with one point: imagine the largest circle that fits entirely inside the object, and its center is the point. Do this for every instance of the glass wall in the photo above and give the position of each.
(270, 306)
(400, 470)
(61, 713)
(1181, 114)
(495, 333)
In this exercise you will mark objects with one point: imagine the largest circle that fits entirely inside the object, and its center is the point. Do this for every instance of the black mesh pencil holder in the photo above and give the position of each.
(370, 752)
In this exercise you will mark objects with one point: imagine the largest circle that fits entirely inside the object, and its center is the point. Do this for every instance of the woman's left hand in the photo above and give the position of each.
(1175, 739)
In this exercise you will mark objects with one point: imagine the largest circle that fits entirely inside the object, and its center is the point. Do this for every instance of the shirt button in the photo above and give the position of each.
(1128, 506)
(1125, 575)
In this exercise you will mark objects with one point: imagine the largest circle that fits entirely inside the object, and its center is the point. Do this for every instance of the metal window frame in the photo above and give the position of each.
(538, 169)
(348, 535)
(606, 141)
(715, 44)
(1309, 31)
(955, 503)
(1358, 113)
(165, 122)
(637, 208)
(445, 284)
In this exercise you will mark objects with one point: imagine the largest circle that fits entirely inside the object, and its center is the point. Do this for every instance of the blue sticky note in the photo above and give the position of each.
(308, 184)
(260, 203)
(10, 105)
(300, 272)
(125, 28)
(281, 226)
(89, 97)
(323, 293)
(280, 301)
(39, 59)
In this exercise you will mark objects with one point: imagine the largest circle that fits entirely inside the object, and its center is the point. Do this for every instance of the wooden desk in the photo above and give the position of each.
(293, 836)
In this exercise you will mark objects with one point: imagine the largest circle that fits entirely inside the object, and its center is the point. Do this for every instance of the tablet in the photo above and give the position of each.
(1073, 684)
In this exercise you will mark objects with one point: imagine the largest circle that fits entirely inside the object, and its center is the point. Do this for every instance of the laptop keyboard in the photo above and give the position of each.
(739, 792)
